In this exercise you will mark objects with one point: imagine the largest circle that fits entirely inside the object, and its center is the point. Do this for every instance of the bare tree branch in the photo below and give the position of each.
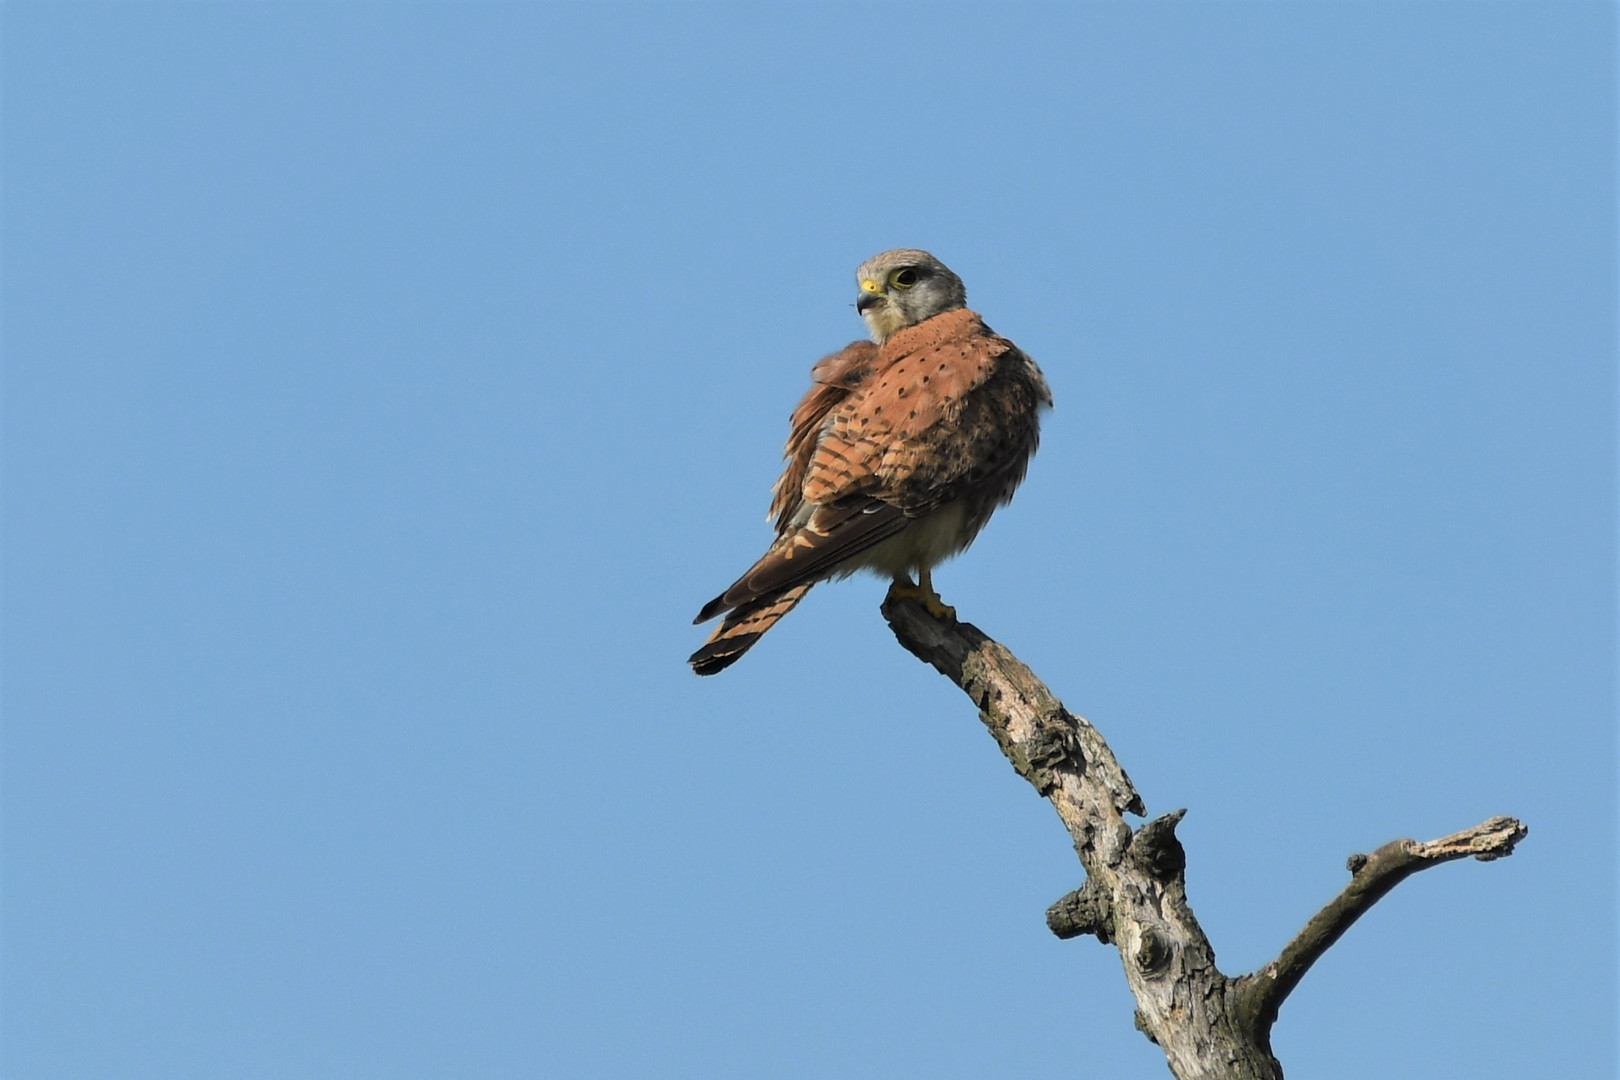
(1208, 1025)
(1372, 877)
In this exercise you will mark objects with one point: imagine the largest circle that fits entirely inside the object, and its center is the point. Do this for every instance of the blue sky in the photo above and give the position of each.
(387, 385)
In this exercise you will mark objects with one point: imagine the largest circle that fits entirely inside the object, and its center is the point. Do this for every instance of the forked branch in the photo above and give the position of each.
(1209, 1025)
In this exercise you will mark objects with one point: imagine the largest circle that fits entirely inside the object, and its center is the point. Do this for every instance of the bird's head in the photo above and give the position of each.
(903, 287)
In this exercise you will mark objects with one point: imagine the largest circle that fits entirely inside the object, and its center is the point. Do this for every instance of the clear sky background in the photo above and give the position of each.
(387, 385)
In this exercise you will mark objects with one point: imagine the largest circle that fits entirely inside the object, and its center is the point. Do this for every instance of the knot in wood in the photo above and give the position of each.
(1152, 953)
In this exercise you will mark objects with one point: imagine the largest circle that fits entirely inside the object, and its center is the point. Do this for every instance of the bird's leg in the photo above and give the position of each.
(923, 593)
(938, 608)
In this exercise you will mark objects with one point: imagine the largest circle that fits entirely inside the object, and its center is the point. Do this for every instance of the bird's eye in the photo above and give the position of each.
(904, 278)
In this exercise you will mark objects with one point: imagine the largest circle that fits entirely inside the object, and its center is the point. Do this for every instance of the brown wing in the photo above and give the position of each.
(831, 381)
(902, 439)
(833, 378)
(887, 450)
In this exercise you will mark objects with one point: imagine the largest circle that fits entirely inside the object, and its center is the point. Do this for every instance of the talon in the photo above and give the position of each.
(924, 596)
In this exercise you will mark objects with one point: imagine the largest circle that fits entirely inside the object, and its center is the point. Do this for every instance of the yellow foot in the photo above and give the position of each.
(925, 596)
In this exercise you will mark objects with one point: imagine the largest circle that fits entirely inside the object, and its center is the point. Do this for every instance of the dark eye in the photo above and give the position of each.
(904, 278)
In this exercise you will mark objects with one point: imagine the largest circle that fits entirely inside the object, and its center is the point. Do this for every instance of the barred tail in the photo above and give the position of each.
(742, 627)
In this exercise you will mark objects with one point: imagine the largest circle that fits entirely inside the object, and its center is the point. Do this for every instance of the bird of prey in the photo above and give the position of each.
(897, 455)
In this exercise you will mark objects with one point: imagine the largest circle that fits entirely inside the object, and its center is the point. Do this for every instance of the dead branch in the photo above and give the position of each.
(1210, 1026)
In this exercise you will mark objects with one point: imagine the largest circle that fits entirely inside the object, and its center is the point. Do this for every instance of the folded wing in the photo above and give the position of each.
(877, 442)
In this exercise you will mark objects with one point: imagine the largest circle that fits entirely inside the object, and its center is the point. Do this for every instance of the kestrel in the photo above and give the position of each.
(898, 454)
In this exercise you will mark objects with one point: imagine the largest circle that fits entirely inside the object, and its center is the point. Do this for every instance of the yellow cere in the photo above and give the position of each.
(868, 285)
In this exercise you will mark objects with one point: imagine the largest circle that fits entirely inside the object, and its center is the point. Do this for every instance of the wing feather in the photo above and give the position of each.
(832, 379)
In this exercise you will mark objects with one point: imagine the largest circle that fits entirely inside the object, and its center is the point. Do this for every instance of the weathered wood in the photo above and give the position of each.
(1371, 878)
(1210, 1026)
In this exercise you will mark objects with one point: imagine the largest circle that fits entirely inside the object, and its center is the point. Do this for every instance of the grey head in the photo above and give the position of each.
(901, 288)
